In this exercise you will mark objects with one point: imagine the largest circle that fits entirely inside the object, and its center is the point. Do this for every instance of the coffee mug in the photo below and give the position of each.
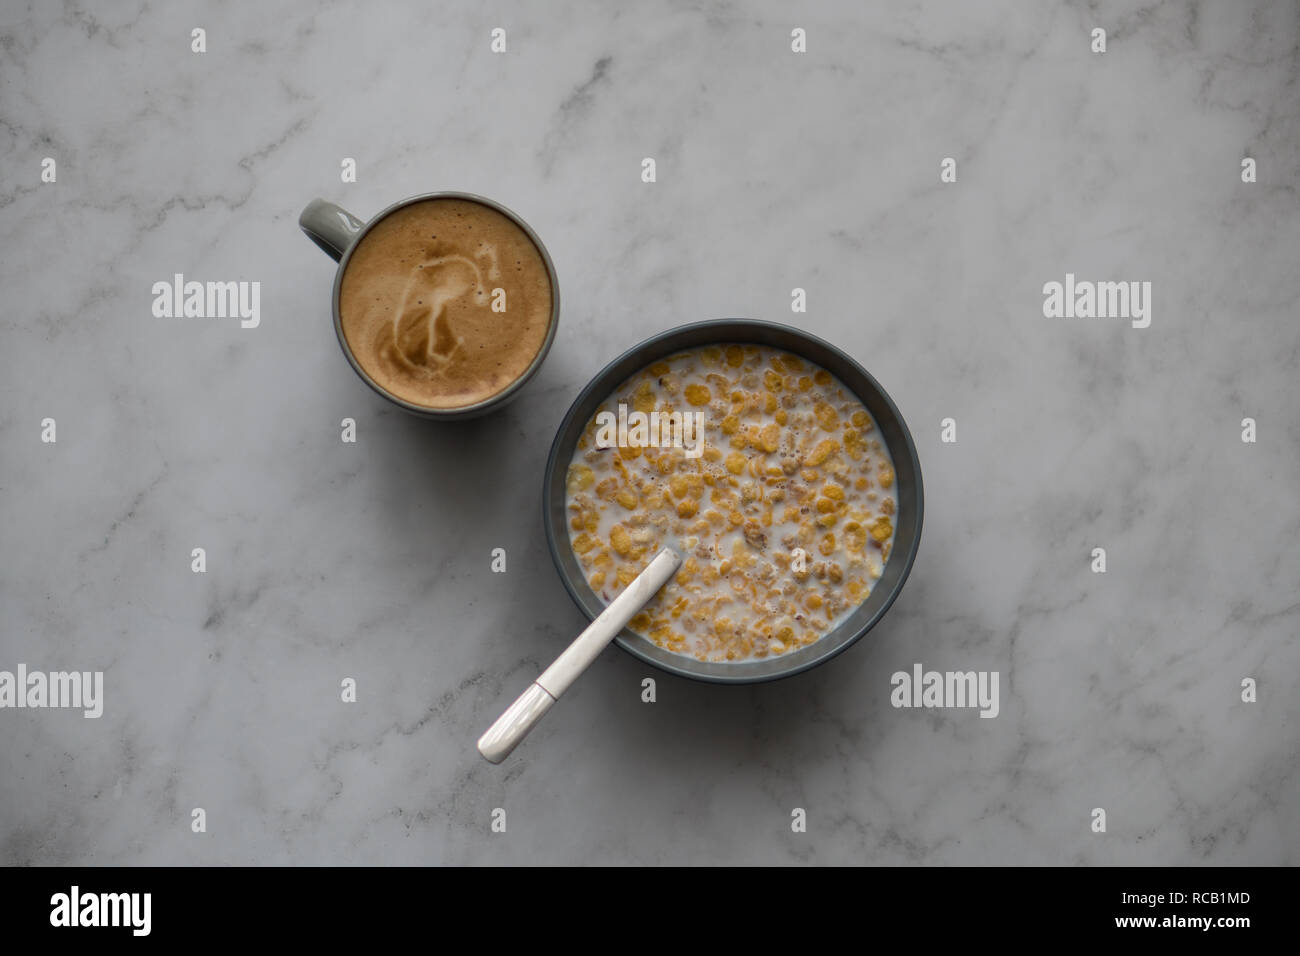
(445, 303)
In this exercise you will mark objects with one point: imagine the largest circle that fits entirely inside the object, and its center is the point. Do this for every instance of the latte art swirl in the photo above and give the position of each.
(445, 302)
(422, 336)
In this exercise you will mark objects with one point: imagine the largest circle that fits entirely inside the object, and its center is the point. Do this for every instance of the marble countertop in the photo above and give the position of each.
(775, 170)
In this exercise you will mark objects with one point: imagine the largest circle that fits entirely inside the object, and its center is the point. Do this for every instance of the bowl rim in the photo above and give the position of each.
(730, 330)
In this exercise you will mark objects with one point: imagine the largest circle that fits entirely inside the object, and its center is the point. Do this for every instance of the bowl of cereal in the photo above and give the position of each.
(773, 462)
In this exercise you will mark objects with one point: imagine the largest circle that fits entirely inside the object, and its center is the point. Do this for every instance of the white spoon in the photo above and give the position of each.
(519, 718)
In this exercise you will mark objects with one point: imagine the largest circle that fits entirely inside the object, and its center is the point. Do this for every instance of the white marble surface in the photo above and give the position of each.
(775, 170)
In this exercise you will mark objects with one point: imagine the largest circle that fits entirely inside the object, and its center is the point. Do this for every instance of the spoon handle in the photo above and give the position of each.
(513, 725)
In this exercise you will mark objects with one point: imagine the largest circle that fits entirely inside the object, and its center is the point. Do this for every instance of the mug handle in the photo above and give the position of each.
(329, 226)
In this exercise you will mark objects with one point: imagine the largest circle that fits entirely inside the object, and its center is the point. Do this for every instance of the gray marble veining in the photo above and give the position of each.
(775, 170)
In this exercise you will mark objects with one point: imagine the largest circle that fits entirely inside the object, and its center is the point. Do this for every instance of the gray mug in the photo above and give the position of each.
(339, 232)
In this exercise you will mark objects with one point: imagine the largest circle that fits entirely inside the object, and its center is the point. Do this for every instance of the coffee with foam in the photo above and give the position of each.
(445, 302)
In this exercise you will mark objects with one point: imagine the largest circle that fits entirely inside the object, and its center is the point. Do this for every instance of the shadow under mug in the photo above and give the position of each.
(339, 233)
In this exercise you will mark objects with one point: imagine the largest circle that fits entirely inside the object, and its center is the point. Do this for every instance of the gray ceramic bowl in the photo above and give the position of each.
(889, 423)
